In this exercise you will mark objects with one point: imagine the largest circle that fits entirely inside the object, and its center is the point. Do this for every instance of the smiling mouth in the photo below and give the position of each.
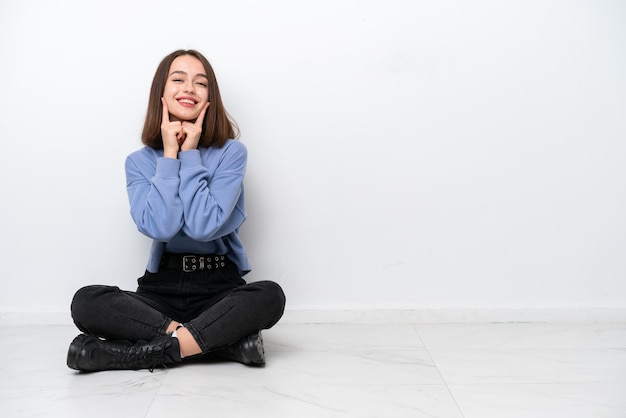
(187, 102)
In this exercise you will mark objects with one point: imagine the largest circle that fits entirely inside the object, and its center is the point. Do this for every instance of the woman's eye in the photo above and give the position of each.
(202, 84)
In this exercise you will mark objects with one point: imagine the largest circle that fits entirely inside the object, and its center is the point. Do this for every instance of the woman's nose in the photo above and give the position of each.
(189, 87)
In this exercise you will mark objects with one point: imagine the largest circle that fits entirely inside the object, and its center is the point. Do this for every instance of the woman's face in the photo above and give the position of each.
(186, 89)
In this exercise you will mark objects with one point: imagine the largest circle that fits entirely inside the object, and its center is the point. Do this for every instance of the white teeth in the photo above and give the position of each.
(187, 101)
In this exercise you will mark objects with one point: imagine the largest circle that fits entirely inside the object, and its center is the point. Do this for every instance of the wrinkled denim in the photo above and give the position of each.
(216, 306)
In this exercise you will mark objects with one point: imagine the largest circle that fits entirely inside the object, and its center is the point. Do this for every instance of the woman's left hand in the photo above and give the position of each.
(192, 131)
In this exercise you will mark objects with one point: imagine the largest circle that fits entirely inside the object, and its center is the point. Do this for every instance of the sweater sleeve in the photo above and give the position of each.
(155, 205)
(209, 199)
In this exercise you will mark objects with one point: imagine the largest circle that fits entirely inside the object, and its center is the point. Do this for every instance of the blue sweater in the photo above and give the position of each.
(193, 204)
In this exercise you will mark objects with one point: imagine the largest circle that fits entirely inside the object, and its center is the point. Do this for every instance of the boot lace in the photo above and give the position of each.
(142, 355)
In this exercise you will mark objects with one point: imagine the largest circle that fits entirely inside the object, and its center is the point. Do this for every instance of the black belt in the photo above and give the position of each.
(193, 262)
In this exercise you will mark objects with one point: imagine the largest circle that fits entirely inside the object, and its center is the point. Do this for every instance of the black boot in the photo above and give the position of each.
(247, 351)
(91, 354)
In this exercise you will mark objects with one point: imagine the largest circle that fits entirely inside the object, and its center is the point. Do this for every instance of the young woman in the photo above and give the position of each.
(186, 193)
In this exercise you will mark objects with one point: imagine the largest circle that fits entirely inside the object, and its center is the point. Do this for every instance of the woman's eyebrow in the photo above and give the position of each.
(185, 73)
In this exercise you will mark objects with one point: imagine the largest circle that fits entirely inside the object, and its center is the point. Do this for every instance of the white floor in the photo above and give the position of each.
(504, 370)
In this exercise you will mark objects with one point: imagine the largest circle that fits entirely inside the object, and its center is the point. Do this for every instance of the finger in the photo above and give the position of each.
(191, 129)
(166, 112)
(181, 129)
(200, 119)
(180, 138)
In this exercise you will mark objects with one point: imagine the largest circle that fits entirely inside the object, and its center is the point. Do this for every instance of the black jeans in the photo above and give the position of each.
(216, 306)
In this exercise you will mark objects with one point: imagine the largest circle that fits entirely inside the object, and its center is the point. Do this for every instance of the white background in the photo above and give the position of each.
(402, 154)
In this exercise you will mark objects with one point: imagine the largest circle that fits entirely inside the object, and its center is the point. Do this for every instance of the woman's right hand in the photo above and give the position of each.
(172, 133)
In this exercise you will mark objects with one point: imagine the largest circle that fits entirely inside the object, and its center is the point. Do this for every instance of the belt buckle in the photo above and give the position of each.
(187, 260)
